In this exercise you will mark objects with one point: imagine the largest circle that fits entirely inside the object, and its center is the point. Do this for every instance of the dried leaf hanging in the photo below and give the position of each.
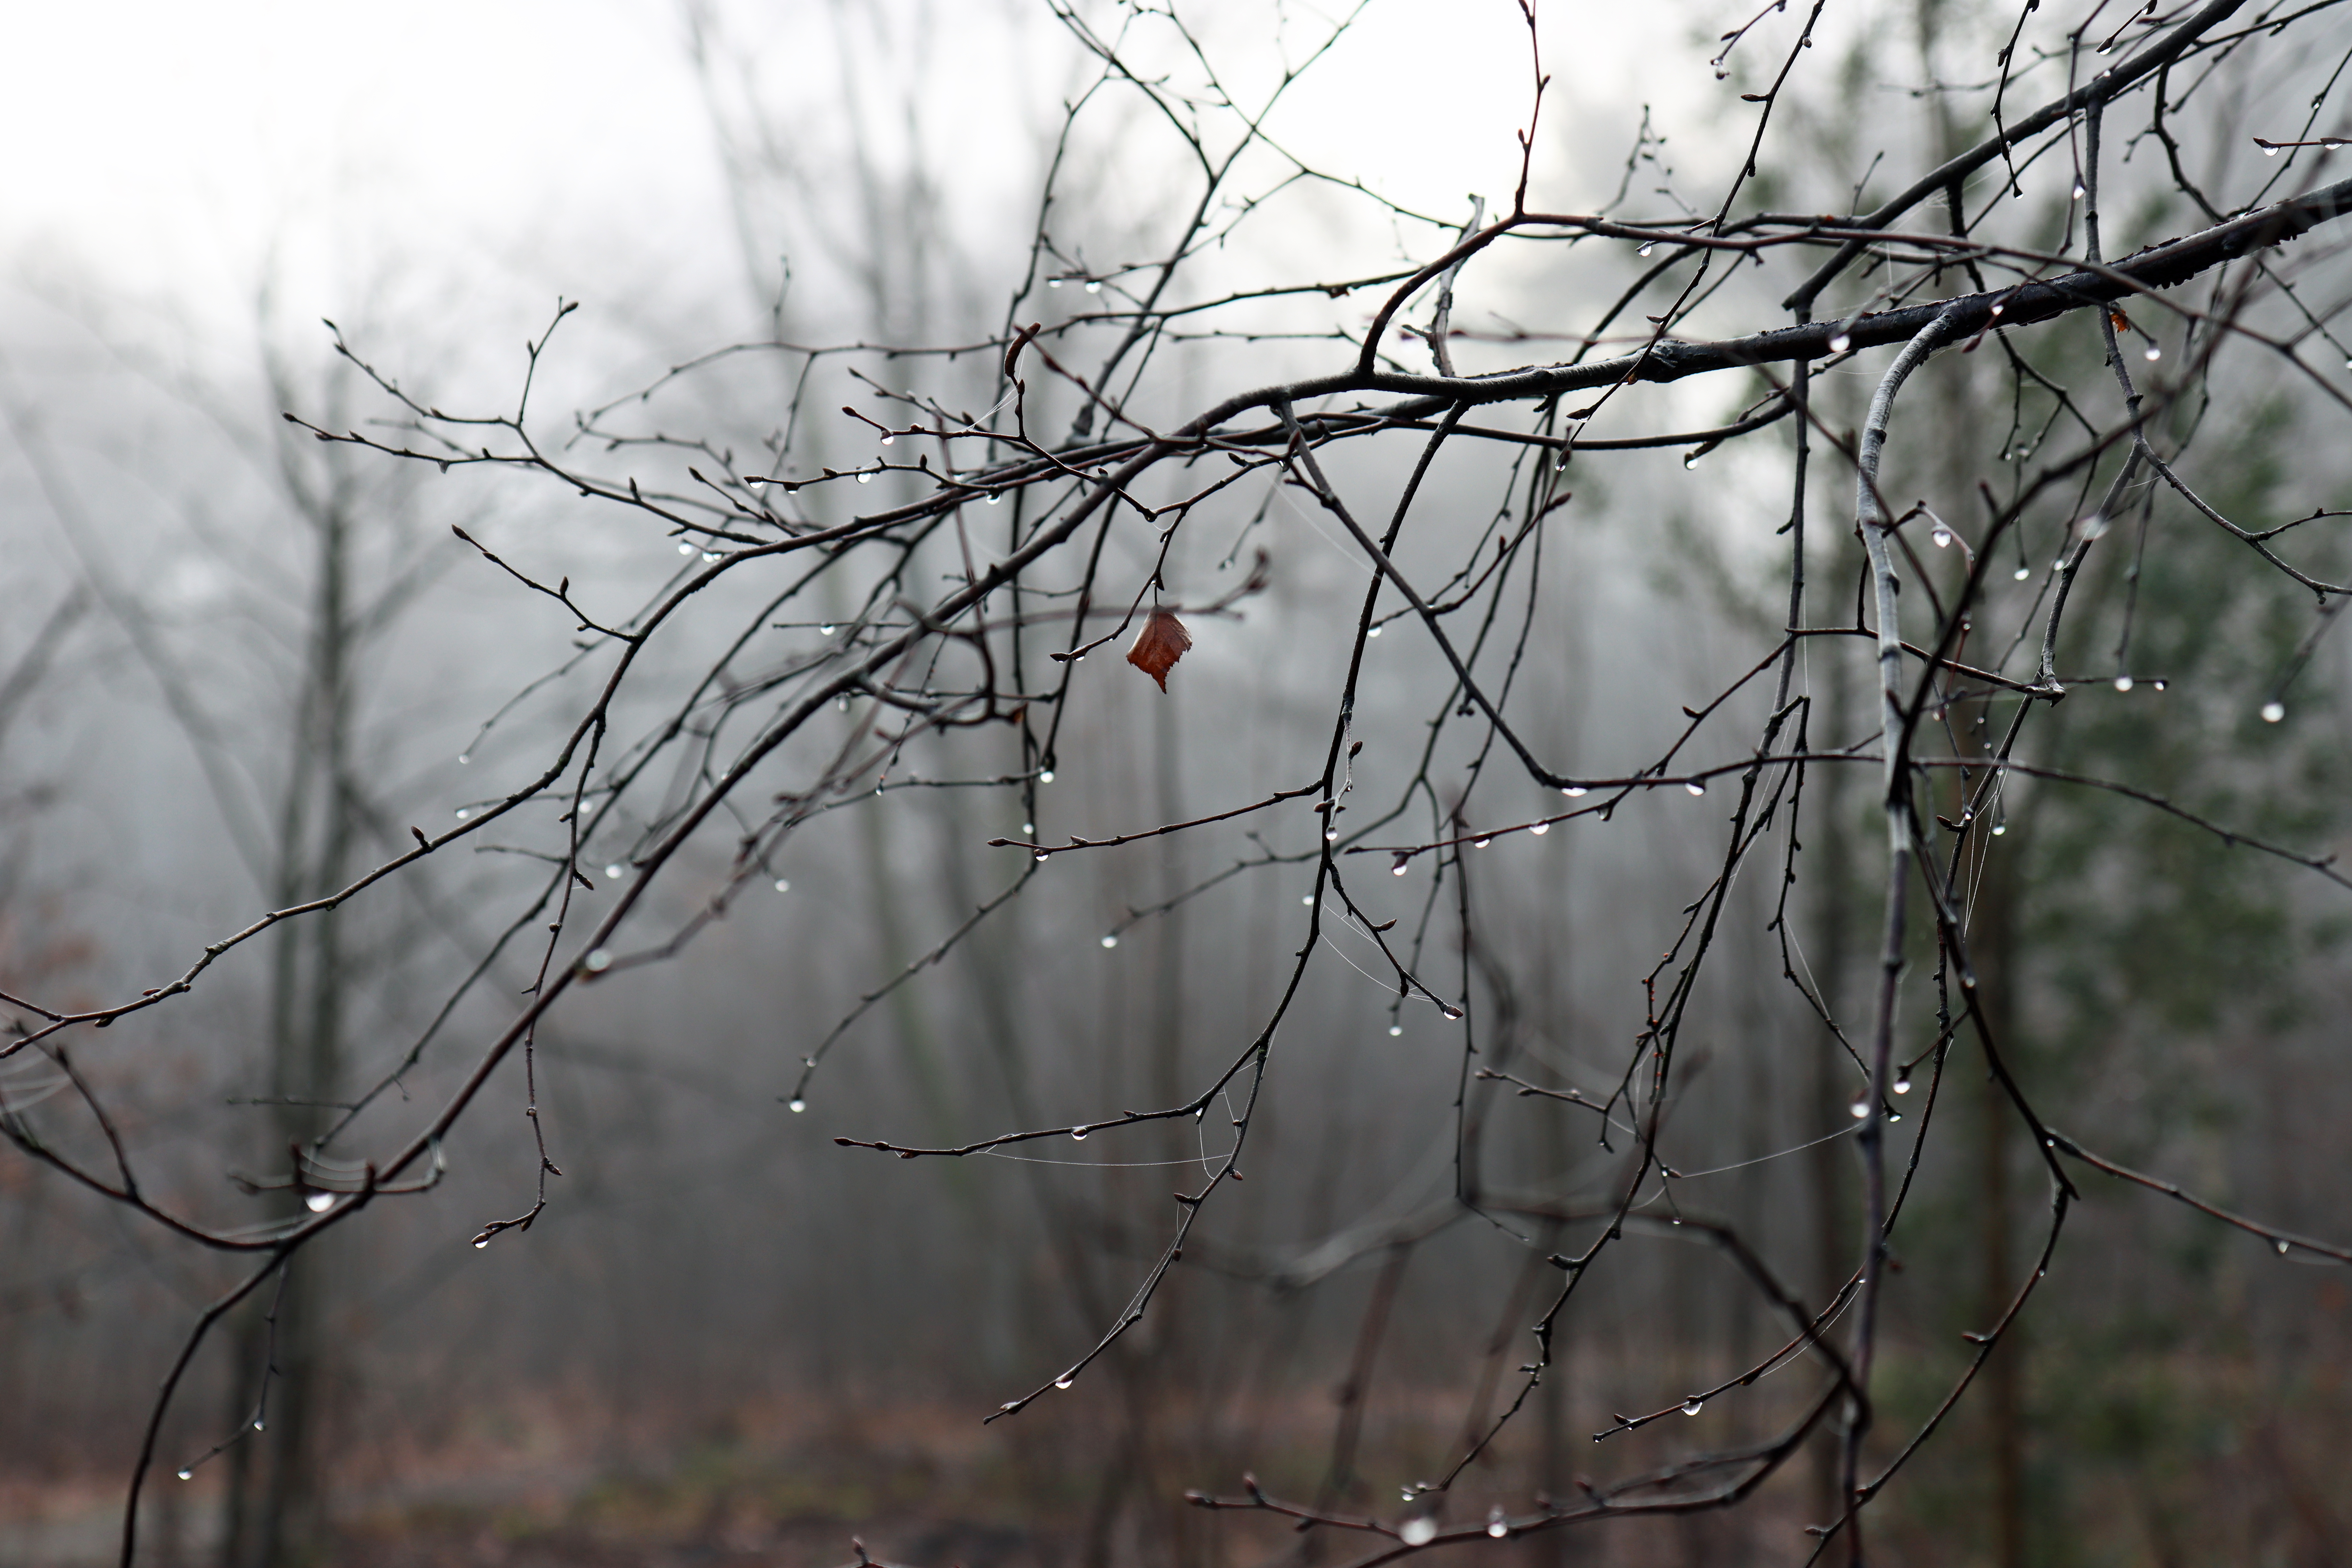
(1159, 646)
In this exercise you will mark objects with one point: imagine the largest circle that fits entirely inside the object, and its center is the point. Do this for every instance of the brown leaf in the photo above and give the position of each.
(1159, 646)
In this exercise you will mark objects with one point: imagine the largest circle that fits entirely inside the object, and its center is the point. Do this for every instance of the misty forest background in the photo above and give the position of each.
(237, 666)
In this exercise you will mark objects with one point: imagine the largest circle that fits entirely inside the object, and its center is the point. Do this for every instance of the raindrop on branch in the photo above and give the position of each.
(597, 961)
(481, 1242)
(1418, 1532)
(1452, 1013)
(1480, 843)
(1110, 939)
(1859, 1109)
(2273, 711)
(1078, 1134)
(1840, 344)
(1539, 828)
(1498, 1525)
(2022, 573)
(1903, 1084)
(1046, 777)
(1694, 1405)
(797, 1105)
(1395, 1029)
(1941, 537)
(319, 1202)
(2151, 353)
(1697, 786)
(2123, 683)
(187, 1475)
(615, 871)
(1646, 249)
(1065, 1379)
(1575, 792)
(782, 885)
(2282, 1248)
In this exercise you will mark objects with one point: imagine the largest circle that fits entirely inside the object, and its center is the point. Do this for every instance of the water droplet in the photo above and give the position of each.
(1046, 777)
(782, 885)
(1418, 1532)
(1840, 344)
(2078, 184)
(888, 439)
(1307, 899)
(1647, 248)
(1094, 285)
(1999, 829)
(319, 1202)
(2022, 573)
(2273, 711)
(463, 813)
(1498, 1524)
(1395, 1029)
(1694, 1405)
(797, 1105)
(187, 1475)
(1064, 1381)
(1941, 537)
(1110, 939)
(1539, 828)
(257, 1425)
(1858, 1110)
(481, 1242)
(1330, 835)
(597, 961)
(1452, 1013)
(687, 548)
(1043, 853)
(464, 758)
(1400, 868)
(2123, 683)
(709, 555)
(1903, 1084)
(2151, 353)
(826, 630)
(865, 476)
(615, 871)
(1050, 283)
(1690, 460)
(1078, 1134)
(2158, 684)
(2281, 1249)
(1576, 792)
(2270, 151)
(1697, 786)
(1376, 631)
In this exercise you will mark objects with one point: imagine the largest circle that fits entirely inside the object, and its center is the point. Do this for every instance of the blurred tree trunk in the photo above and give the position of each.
(275, 1509)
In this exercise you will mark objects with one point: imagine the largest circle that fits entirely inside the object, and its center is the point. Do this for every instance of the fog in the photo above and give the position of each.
(276, 625)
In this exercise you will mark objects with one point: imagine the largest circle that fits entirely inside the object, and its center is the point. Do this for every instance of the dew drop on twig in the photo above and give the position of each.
(1693, 1405)
(797, 1105)
(1418, 1532)
(1539, 828)
(1110, 939)
(2273, 711)
(1697, 786)
(1859, 1109)
(1840, 344)
(1078, 1134)
(319, 1202)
